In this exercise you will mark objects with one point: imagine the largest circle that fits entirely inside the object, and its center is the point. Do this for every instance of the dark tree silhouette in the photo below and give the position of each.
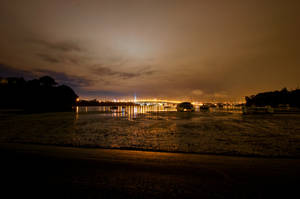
(37, 95)
(47, 81)
(275, 98)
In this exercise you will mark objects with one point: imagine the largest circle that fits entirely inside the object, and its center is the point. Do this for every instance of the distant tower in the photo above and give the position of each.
(134, 97)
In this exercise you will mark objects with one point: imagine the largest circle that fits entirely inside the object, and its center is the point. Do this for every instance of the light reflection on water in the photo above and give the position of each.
(155, 128)
(131, 112)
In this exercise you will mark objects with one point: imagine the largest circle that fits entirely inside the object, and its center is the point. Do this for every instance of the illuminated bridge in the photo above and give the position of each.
(156, 101)
(161, 102)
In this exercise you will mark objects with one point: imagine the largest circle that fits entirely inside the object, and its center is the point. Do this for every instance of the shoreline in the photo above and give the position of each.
(68, 172)
(148, 150)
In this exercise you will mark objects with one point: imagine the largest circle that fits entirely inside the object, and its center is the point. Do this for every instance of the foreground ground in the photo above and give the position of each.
(62, 172)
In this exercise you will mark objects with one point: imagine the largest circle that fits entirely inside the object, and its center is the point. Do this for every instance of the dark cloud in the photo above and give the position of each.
(10, 71)
(74, 81)
(58, 58)
(107, 71)
(49, 58)
(63, 46)
(147, 70)
(125, 75)
(65, 52)
(63, 78)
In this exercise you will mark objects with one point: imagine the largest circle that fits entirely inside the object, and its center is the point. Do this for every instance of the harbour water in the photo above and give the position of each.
(155, 128)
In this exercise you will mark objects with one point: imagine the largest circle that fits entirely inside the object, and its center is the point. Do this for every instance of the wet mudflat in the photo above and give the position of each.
(101, 154)
(225, 133)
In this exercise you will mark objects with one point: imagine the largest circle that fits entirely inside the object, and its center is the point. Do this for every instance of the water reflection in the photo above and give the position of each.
(160, 129)
(132, 112)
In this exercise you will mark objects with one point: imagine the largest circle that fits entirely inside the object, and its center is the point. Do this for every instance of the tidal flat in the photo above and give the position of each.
(216, 132)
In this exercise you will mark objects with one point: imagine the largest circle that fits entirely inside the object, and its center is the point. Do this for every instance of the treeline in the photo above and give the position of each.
(97, 103)
(275, 98)
(37, 95)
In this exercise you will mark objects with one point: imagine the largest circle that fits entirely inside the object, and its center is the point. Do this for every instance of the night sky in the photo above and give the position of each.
(176, 49)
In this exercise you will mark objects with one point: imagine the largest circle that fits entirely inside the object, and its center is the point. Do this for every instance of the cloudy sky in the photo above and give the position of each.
(192, 49)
